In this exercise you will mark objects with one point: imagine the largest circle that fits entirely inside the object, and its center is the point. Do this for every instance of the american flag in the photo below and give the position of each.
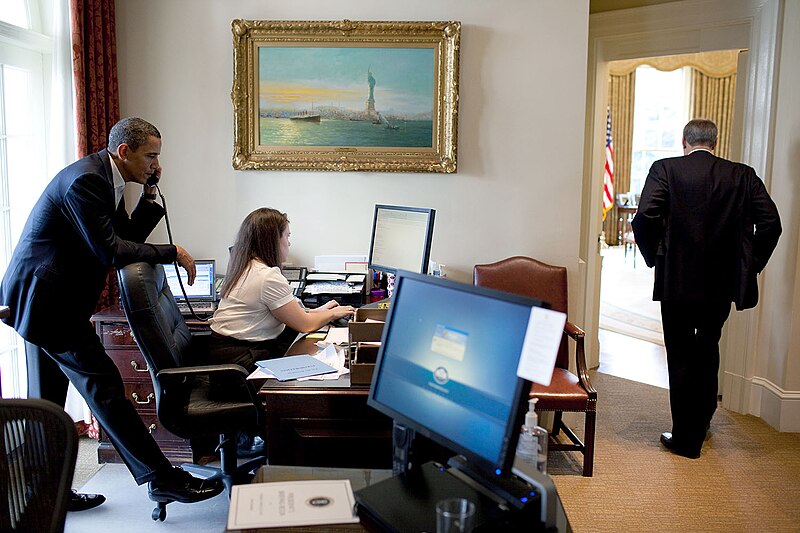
(608, 175)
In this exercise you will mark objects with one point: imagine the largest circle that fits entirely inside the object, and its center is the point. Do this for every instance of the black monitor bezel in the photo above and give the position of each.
(426, 254)
(521, 387)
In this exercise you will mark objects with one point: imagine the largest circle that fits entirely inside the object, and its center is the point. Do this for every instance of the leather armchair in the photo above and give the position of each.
(567, 392)
(186, 403)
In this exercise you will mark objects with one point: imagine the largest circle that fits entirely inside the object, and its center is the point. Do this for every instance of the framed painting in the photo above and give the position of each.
(345, 95)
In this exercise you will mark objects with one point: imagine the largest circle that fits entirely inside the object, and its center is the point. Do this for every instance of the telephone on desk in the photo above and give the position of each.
(297, 279)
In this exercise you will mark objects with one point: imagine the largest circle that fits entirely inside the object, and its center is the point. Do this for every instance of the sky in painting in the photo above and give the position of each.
(293, 77)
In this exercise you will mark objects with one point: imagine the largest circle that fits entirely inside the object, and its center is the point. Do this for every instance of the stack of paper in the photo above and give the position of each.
(328, 363)
(295, 366)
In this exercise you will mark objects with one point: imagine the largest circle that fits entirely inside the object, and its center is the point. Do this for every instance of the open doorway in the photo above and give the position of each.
(651, 100)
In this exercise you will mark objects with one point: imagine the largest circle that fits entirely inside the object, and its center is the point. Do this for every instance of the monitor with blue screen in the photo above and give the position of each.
(447, 366)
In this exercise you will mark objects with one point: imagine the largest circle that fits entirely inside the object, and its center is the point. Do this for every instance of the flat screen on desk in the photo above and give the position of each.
(447, 366)
(203, 287)
(401, 238)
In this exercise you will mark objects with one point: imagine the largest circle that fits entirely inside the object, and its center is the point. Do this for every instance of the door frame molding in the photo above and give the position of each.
(680, 28)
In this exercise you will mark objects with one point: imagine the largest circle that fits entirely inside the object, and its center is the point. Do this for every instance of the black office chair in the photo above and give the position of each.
(38, 450)
(186, 403)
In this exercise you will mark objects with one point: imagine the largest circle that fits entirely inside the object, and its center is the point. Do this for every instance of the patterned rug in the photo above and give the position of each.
(626, 303)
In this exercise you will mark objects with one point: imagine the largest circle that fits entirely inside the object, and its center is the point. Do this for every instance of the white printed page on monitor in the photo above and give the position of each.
(540, 347)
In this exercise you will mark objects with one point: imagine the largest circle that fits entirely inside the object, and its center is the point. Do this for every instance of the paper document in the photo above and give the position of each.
(540, 347)
(332, 287)
(291, 503)
(356, 278)
(295, 366)
(260, 373)
(336, 263)
(337, 336)
(333, 356)
(325, 276)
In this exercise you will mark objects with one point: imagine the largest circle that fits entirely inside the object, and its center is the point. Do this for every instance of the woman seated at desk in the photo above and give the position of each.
(258, 317)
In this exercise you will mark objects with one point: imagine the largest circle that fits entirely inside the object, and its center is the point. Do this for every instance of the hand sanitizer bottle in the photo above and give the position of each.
(532, 445)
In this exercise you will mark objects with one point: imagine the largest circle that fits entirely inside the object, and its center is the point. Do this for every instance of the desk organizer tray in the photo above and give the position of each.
(365, 338)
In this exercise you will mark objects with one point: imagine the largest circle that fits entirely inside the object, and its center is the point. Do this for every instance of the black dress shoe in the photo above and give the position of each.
(80, 502)
(181, 486)
(684, 451)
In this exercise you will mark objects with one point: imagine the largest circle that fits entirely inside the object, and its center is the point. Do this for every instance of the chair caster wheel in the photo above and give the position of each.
(160, 512)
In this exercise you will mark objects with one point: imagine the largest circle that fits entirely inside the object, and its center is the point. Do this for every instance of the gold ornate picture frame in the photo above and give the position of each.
(345, 95)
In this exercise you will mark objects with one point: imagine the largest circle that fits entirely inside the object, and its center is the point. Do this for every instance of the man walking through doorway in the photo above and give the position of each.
(709, 227)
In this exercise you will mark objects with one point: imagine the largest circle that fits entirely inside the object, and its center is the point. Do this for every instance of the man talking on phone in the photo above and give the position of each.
(78, 229)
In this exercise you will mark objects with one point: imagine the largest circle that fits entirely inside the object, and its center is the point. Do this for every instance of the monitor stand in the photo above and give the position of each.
(402, 440)
(407, 502)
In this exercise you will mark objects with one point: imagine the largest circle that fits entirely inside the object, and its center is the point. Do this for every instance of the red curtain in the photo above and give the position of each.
(94, 66)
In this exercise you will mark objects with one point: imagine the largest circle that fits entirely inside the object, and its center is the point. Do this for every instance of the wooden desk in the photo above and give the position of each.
(324, 423)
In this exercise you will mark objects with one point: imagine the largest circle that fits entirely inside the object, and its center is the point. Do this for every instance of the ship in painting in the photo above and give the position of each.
(306, 116)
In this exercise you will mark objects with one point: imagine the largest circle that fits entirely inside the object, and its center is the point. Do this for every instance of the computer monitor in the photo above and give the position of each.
(401, 238)
(203, 287)
(447, 367)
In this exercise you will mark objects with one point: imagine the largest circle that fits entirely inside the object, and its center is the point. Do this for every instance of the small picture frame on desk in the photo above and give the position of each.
(345, 95)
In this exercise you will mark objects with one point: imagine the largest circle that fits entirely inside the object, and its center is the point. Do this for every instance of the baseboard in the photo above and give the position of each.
(760, 397)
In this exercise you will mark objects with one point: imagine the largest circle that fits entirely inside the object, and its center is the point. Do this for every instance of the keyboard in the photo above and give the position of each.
(199, 307)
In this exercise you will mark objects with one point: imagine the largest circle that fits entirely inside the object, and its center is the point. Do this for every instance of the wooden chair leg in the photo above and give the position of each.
(588, 439)
(556, 423)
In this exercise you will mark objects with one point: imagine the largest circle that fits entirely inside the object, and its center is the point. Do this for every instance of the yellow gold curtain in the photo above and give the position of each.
(620, 101)
(712, 97)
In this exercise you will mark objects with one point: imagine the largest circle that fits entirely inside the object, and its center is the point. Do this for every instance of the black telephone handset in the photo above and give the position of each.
(152, 181)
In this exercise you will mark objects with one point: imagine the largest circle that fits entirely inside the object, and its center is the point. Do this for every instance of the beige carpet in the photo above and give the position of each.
(747, 479)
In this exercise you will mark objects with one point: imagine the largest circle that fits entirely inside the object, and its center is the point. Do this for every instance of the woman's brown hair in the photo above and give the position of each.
(259, 238)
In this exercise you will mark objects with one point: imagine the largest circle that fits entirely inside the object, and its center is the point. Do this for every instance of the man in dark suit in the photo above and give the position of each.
(709, 227)
(77, 230)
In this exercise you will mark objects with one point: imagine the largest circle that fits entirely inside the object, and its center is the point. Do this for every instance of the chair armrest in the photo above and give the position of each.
(233, 370)
(577, 334)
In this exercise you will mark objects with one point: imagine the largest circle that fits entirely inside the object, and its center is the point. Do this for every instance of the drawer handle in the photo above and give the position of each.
(135, 366)
(151, 428)
(150, 397)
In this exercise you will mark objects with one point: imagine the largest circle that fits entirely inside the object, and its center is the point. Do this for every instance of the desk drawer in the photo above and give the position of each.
(116, 334)
(141, 394)
(130, 363)
(334, 443)
(158, 432)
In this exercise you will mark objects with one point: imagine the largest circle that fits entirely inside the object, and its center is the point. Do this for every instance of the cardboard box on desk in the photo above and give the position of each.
(365, 338)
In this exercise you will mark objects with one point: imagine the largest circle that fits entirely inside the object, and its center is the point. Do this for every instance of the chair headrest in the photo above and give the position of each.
(153, 315)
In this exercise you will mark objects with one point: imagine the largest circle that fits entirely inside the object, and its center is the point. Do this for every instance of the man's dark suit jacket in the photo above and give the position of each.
(709, 227)
(73, 235)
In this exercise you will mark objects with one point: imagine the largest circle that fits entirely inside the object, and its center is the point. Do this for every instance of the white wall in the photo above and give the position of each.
(520, 139)
(779, 322)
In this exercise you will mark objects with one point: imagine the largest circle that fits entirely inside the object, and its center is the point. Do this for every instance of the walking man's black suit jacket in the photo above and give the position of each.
(708, 226)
